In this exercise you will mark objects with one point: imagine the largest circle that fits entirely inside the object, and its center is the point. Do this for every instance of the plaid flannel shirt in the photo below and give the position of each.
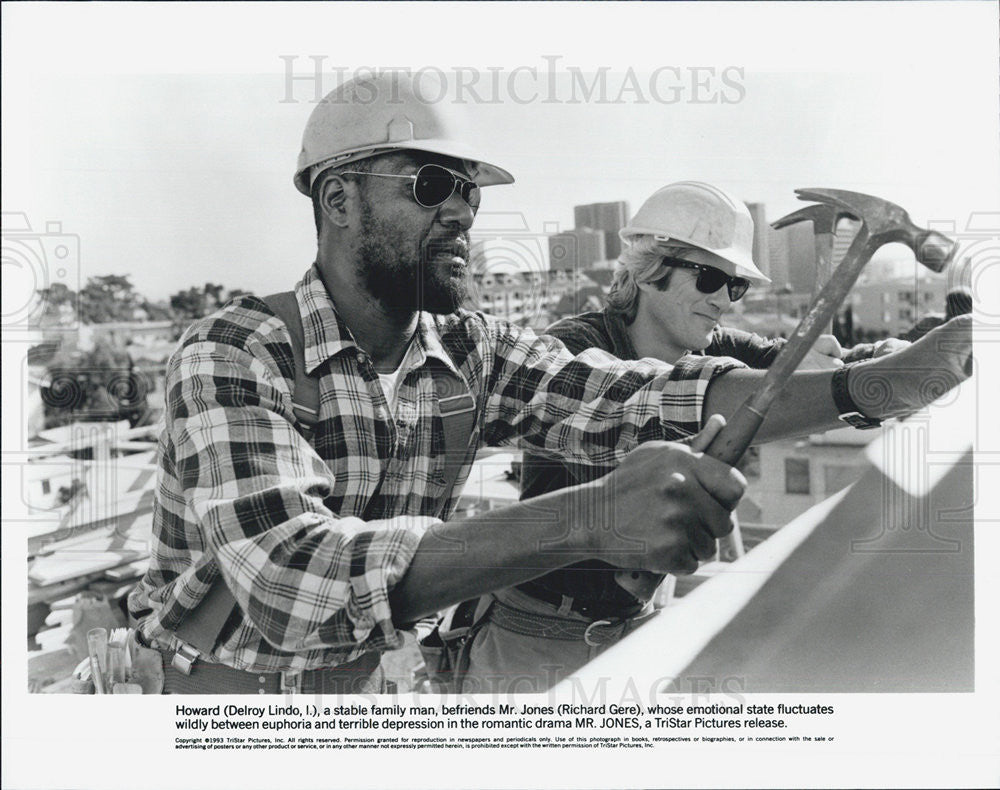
(311, 538)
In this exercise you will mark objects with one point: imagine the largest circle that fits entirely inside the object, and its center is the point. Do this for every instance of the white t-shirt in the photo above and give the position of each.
(390, 386)
(390, 381)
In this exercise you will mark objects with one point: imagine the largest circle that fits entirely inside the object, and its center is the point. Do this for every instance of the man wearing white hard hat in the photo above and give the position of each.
(687, 258)
(315, 441)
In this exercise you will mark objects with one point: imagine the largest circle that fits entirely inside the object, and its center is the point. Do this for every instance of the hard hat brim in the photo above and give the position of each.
(487, 174)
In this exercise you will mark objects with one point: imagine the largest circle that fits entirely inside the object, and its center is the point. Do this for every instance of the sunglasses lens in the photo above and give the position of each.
(711, 280)
(737, 288)
(470, 193)
(435, 184)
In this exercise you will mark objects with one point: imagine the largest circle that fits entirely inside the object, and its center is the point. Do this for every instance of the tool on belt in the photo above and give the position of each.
(882, 222)
(117, 664)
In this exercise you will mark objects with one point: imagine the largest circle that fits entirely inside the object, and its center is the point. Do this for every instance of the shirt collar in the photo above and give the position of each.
(326, 335)
(430, 343)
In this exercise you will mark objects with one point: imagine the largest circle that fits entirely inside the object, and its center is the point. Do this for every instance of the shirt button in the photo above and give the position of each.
(362, 358)
(261, 679)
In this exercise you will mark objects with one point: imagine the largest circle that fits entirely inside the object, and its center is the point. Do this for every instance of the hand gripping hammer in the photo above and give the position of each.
(882, 222)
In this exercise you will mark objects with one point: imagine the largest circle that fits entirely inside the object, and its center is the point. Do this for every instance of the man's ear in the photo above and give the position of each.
(333, 200)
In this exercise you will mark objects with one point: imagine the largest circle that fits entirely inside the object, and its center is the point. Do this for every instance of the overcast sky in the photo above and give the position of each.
(165, 136)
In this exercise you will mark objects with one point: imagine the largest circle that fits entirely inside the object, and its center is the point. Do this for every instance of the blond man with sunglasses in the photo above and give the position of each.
(687, 259)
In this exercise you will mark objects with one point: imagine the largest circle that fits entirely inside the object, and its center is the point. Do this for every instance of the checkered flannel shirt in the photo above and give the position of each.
(311, 538)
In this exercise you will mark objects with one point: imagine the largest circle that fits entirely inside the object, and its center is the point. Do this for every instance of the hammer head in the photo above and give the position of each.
(885, 222)
(823, 216)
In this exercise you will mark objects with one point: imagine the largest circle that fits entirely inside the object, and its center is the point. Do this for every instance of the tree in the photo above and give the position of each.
(59, 305)
(197, 302)
(213, 296)
(158, 311)
(99, 384)
(110, 297)
(189, 304)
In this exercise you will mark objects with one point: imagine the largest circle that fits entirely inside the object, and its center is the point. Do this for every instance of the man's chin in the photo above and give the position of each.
(699, 344)
(444, 300)
(437, 297)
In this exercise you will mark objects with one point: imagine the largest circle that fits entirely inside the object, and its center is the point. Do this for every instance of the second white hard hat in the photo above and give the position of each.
(380, 113)
(702, 216)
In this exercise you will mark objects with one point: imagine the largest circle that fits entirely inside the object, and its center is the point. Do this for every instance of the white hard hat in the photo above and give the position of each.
(372, 115)
(702, 216)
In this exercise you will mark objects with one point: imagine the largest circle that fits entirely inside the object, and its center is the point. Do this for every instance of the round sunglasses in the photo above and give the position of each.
(711, 279)
(434, 184)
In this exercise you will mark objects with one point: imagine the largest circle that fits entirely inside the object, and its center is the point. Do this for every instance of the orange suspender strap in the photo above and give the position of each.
(203, 625)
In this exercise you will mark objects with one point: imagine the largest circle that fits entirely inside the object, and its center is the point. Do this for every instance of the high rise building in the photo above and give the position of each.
(847, 229)
(801, 257)
(792, 253)
(777, 258)
(887, 307)
(792, 257)
(577, 249)
(609, 218)
(761, 234)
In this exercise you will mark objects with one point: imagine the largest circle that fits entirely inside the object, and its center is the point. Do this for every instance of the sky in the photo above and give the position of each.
(164, 137)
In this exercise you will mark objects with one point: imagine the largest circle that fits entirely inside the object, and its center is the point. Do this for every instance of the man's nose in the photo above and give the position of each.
(719, 299)
(455, 211)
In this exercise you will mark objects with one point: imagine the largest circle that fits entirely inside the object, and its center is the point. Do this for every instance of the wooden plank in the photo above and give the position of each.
(65, 566)
(865, 604)
(136, 520)
(38, 595)
(871, 590)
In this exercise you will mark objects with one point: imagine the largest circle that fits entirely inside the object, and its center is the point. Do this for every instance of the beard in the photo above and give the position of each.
(406, 276)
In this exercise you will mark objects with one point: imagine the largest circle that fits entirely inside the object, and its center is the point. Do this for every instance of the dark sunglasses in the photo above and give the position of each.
(434, 184)
(711, 279)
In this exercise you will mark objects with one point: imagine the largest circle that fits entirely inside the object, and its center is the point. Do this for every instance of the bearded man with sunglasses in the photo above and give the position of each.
(320, 538)
(324, 536)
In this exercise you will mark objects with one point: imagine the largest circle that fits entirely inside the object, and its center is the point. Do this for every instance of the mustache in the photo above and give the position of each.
(456, 244)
